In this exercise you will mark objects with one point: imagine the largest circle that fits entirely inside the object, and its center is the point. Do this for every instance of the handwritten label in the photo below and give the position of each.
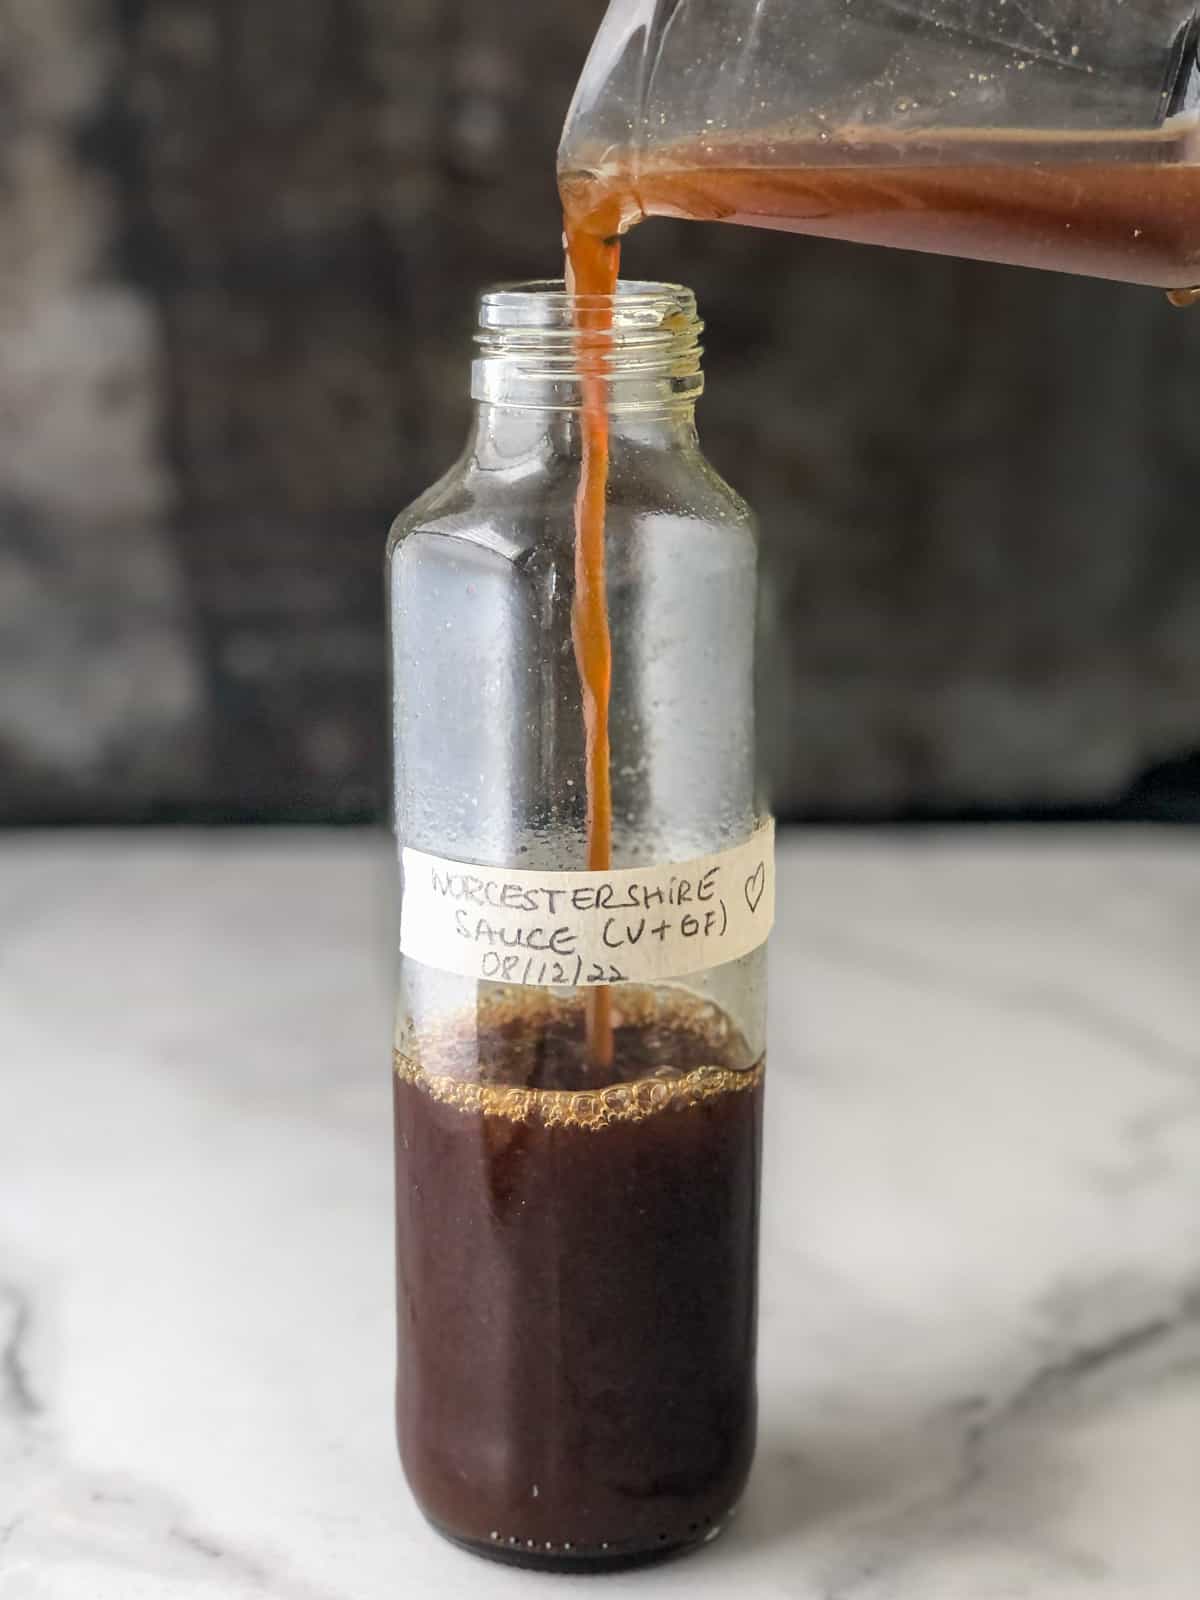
(631, 925)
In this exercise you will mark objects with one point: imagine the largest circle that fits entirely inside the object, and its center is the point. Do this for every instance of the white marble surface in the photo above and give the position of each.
(981, 1298)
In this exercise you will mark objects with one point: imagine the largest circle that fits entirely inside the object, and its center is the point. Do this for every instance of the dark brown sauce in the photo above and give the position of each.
(1111, 206)
(577, 1273)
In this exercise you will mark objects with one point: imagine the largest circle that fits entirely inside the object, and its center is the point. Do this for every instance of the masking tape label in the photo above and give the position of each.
(630, 925)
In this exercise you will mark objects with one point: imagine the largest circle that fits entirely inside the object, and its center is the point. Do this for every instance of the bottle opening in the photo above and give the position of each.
(535, 340)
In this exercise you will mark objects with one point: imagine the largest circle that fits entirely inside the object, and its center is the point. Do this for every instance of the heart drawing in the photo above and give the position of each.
(755, 884)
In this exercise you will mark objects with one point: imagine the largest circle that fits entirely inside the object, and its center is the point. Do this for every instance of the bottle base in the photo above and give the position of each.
(526, 1553)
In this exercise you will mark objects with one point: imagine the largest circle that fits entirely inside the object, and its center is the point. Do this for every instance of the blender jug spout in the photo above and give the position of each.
(1056, 133)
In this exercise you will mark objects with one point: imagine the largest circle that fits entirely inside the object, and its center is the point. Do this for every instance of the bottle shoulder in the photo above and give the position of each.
(534, 501)
(433, 504)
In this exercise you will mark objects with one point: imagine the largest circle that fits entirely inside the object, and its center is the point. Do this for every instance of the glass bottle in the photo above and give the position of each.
(577, 1241)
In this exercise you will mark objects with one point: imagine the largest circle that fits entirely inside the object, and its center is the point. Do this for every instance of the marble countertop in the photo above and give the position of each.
(980, 1362)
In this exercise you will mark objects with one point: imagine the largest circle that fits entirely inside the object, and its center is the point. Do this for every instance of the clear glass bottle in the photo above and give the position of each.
(576, 1243)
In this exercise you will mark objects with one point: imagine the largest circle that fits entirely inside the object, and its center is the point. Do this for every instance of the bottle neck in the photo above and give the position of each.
(630, 355)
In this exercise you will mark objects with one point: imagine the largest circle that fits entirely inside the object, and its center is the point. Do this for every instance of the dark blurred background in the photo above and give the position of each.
(239, 242)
